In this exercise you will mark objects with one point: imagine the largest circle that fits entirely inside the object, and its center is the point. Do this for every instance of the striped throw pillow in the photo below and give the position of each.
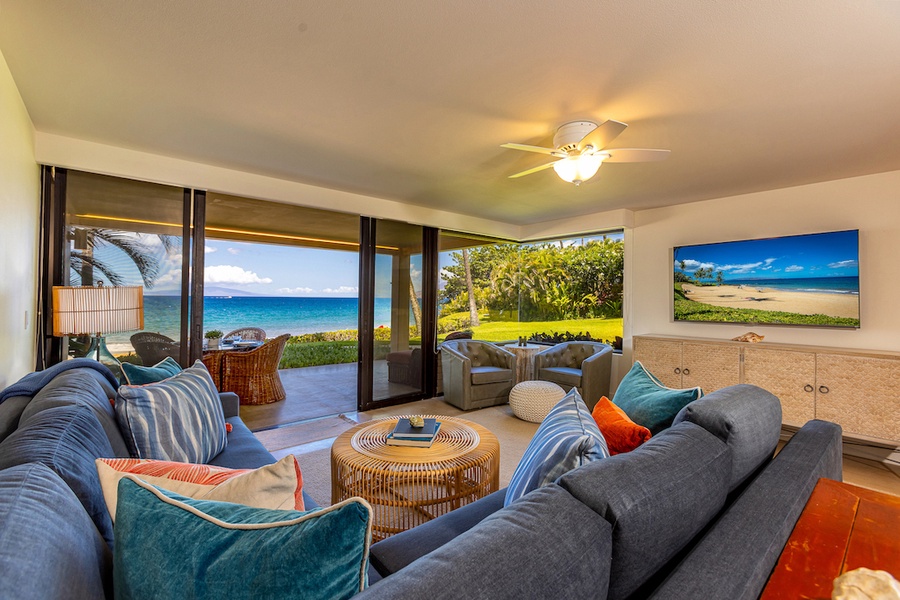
(179, 418)
(567, 438)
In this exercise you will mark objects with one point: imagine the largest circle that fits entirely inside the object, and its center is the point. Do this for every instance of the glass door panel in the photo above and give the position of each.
(123, 232)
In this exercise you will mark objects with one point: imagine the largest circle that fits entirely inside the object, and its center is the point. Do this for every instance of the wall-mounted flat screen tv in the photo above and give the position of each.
(809, 280)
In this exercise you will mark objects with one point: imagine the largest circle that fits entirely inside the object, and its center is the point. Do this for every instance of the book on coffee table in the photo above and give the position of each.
(405, 430)
(399, 440)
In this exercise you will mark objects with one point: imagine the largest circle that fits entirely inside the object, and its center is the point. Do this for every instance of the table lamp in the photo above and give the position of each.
(96, 311)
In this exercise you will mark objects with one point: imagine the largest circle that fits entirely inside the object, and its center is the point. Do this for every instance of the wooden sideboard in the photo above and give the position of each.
(858, 389)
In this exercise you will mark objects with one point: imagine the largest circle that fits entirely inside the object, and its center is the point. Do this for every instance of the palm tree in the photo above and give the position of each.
(470, 288)
(83, 261)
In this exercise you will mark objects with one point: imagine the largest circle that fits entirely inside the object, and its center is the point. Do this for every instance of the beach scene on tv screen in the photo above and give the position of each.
(808, 280)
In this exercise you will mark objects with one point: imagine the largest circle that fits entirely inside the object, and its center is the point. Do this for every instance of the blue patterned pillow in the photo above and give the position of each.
(207, 549)
(567, 438)
(648, 402)
(138, 375)
(179, 418)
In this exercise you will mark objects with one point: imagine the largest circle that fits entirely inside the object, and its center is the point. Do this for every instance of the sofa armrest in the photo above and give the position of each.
(231, 404)
(392, 554)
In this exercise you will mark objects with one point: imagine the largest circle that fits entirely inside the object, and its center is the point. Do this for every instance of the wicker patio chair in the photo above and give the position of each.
(249, 334)
(253, 375)
(215, 364)
(154, 347)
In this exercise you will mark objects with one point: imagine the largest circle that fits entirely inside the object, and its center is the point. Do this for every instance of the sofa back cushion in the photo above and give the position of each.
(745, 417)
(66, 439)
(657, 499)
(49, 548)
(81, 387)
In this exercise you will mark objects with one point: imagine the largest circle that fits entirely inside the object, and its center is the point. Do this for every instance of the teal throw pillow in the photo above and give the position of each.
(138, 375)
(648, 402)
(179, 418)
(170, 546)
(567, 438)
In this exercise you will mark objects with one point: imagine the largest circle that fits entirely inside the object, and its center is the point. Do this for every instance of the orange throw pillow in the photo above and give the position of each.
(621, 433)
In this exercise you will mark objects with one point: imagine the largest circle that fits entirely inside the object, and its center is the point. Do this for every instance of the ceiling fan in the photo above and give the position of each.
(580, 147)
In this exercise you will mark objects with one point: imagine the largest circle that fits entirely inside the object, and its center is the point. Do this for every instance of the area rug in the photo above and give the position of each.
(512, 433)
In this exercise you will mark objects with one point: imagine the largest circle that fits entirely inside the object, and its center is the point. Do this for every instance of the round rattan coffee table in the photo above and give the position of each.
(409, 486)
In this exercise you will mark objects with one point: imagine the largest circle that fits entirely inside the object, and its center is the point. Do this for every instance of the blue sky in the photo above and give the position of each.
(817, 255)
(276, 270)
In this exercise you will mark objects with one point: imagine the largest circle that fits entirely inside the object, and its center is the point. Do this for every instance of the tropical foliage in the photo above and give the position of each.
(541, 282)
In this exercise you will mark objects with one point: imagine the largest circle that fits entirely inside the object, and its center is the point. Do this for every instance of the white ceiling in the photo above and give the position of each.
(410, 100)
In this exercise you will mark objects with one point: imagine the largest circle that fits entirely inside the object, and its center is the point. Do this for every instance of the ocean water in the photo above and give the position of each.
(822, 285)
(276, 315)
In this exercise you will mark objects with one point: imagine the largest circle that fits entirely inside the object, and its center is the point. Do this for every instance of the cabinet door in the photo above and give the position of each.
(860, 393)
(710, 366)
(789, 375)
(661, 357)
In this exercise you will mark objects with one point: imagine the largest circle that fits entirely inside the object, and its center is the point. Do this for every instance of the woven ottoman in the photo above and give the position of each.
(532, 400)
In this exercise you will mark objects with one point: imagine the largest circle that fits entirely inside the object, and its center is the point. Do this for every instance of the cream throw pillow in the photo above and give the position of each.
(275, 486)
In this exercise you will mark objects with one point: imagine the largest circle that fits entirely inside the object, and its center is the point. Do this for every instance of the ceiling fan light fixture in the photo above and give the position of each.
(577, 169)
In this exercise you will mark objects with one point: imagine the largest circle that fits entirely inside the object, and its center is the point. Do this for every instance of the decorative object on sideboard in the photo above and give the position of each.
(751, 337)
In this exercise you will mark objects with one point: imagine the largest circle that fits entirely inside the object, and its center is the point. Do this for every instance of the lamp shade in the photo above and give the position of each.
(97, 310)
(576, 169)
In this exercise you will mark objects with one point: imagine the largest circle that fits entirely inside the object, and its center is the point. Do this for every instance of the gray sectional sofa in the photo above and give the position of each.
(702, 510)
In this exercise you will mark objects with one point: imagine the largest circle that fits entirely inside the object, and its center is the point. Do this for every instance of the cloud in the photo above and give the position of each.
(209, 249)
(173, 276)
(793, 269)
(233, 275)
(843, 264)
(344, 289)
(296, 290)
(234, 251)
(692, 265)
(739, 269)
(769, 261)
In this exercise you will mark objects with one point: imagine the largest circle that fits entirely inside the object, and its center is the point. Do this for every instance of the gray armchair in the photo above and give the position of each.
(476, 374)
(584, 365)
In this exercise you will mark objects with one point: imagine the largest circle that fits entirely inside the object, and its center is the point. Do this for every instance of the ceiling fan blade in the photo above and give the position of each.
(539, 149)
(624, 155)
(599, 138)
(534, 170)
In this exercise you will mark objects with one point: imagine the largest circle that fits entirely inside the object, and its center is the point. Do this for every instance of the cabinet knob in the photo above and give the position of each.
(823, 389)
(686, 371)
(808, 388)
(677, 371)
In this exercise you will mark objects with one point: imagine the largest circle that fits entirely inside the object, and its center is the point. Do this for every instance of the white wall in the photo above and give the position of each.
(20, 207)
(870, 204)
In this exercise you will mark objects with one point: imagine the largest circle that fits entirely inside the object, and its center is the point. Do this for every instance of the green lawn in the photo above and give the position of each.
(499, 331)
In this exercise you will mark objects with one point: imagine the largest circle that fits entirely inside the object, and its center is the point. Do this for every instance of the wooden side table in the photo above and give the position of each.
(842, 528)
(409, 486)
(524, 359)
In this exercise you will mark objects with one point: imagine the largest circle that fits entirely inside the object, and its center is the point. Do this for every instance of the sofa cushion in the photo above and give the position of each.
(565, 375)
(657, 498)
(397, 551)
(621, 433)
(648, 402)
(179, 418)
(205, 549)
(276, 486)
(548, 545)
(482, 375)
(49, 547)
(745, 417)
(67, 439)
(567, 438)
(81, 387)
(141, 375)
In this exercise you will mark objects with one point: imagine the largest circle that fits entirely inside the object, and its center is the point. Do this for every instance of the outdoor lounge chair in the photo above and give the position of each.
(154, 347)
(253, 374)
